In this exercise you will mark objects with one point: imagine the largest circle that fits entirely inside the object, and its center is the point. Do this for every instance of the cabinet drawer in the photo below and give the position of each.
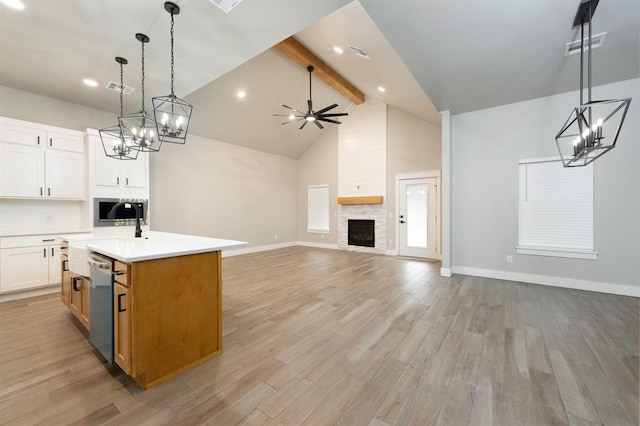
(121, 273)
(29, 241)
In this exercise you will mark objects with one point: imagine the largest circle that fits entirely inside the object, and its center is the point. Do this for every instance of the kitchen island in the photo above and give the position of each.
(167, 302)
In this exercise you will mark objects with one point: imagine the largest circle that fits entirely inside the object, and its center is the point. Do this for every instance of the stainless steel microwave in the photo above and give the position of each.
(124, 215)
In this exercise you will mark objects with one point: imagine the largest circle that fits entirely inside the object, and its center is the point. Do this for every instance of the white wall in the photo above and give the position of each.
(486, 147)
(318, 165)
(413, 145)
(215, 189)
(362, 151)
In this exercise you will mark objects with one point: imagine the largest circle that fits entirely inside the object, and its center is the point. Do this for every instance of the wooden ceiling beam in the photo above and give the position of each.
(302, 56)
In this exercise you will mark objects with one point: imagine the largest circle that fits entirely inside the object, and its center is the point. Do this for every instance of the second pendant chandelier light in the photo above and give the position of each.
(140, 128)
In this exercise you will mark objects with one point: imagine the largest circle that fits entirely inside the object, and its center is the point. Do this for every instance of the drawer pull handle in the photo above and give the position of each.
(44, 252)
(38, 140)
(50, 141)
(74, 283)
(48, 240)
(118, 272)
(120, 302)
(65, 265)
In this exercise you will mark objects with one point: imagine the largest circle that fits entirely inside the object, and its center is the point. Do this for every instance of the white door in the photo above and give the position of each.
(134, 172)
(417, 218)
(55, 266)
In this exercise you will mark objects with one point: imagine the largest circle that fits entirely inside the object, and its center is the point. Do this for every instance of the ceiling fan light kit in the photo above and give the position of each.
(172, 114)
(113, 141)
(581, 139)
(312, 116)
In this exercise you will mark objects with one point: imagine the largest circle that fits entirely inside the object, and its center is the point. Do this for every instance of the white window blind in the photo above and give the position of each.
(318, 208)
(555, 207)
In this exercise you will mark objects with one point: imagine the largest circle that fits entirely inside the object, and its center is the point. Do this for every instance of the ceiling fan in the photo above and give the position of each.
(311, 115)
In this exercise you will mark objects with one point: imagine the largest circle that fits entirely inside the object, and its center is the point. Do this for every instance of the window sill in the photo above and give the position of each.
(555, 252)
(318, 231)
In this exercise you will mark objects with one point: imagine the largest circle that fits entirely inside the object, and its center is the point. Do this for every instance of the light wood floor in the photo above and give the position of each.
(321, 337)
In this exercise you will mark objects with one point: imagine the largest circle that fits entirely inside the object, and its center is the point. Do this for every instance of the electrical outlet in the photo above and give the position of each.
(509, 258)
(275, 236)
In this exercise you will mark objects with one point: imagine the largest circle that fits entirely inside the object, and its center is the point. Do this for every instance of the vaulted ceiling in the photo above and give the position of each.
(458, 55)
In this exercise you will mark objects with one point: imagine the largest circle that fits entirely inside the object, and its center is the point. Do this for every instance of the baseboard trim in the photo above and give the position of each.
(249, 250)
(391, 252)
(445, 272)
(317, 245)
(600, 287)
(23, 294)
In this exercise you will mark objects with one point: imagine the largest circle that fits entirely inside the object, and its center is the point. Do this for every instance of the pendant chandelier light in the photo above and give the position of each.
(113, 141)
(139, 128)
(581, 139)
(171, 113)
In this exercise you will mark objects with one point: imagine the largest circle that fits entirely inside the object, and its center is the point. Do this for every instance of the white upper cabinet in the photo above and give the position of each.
(21, 171)
(22, 133)
(116, 178)
(39, 161)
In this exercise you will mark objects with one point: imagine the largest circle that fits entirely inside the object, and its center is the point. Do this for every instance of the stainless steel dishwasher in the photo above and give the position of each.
(101, 310)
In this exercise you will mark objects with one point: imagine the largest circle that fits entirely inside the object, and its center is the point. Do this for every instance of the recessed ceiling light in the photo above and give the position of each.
(338, 50)
(381, 89)
(241, 94)
(13, 4)
(291, 117)
(89, 82)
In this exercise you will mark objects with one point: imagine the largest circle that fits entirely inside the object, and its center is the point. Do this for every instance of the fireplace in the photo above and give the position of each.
(361, 233)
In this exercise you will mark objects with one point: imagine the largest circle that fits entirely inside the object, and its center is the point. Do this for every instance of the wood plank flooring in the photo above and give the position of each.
(322, 337)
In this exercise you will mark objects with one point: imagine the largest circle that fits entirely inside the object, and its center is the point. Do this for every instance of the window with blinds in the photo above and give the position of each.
(318, 208)
(555, 209)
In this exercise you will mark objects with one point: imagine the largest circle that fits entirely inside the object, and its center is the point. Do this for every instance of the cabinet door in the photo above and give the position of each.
(23, 268)
(70, 141)
(55, 272)
(134, 172)
(65, 175)
(106, 169)
(65, 284)
(86, 301)
(21, 134)
(122, 326)
(21, 170)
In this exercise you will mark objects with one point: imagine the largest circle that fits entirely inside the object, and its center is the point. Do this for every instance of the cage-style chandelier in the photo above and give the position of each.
(581, 139)
(172, 114)
(139, 128)
(113, 141)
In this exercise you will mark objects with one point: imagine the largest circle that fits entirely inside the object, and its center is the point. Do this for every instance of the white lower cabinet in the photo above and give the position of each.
(36, 265)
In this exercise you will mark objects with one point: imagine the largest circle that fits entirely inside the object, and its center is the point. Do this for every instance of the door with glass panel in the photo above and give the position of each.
(417, 218)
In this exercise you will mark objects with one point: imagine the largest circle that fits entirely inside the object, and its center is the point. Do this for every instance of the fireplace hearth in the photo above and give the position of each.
(361, 232)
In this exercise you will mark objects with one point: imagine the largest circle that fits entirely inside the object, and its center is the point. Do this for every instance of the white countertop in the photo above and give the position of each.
(158, 245)
(53, 232)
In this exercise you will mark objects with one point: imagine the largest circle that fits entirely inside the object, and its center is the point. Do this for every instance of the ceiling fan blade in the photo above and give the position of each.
(327, 109)
(337, 114)
(318, 123)
(303, 124)
(293, 109)
(328, 120)
(310, 105)
(287, 115)
(292, 121)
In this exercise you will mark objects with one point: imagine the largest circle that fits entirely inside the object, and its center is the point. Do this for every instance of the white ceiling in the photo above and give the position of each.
(464, 54)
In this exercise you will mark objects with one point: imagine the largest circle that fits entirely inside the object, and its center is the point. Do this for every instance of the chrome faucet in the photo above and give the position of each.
(127, 205)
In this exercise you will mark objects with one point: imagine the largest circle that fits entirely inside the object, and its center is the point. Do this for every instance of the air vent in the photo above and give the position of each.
(226, 5)
(112, 85)
(573, 48)
(359, 52)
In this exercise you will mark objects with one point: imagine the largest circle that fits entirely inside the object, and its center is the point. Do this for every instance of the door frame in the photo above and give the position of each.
(422, 175)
